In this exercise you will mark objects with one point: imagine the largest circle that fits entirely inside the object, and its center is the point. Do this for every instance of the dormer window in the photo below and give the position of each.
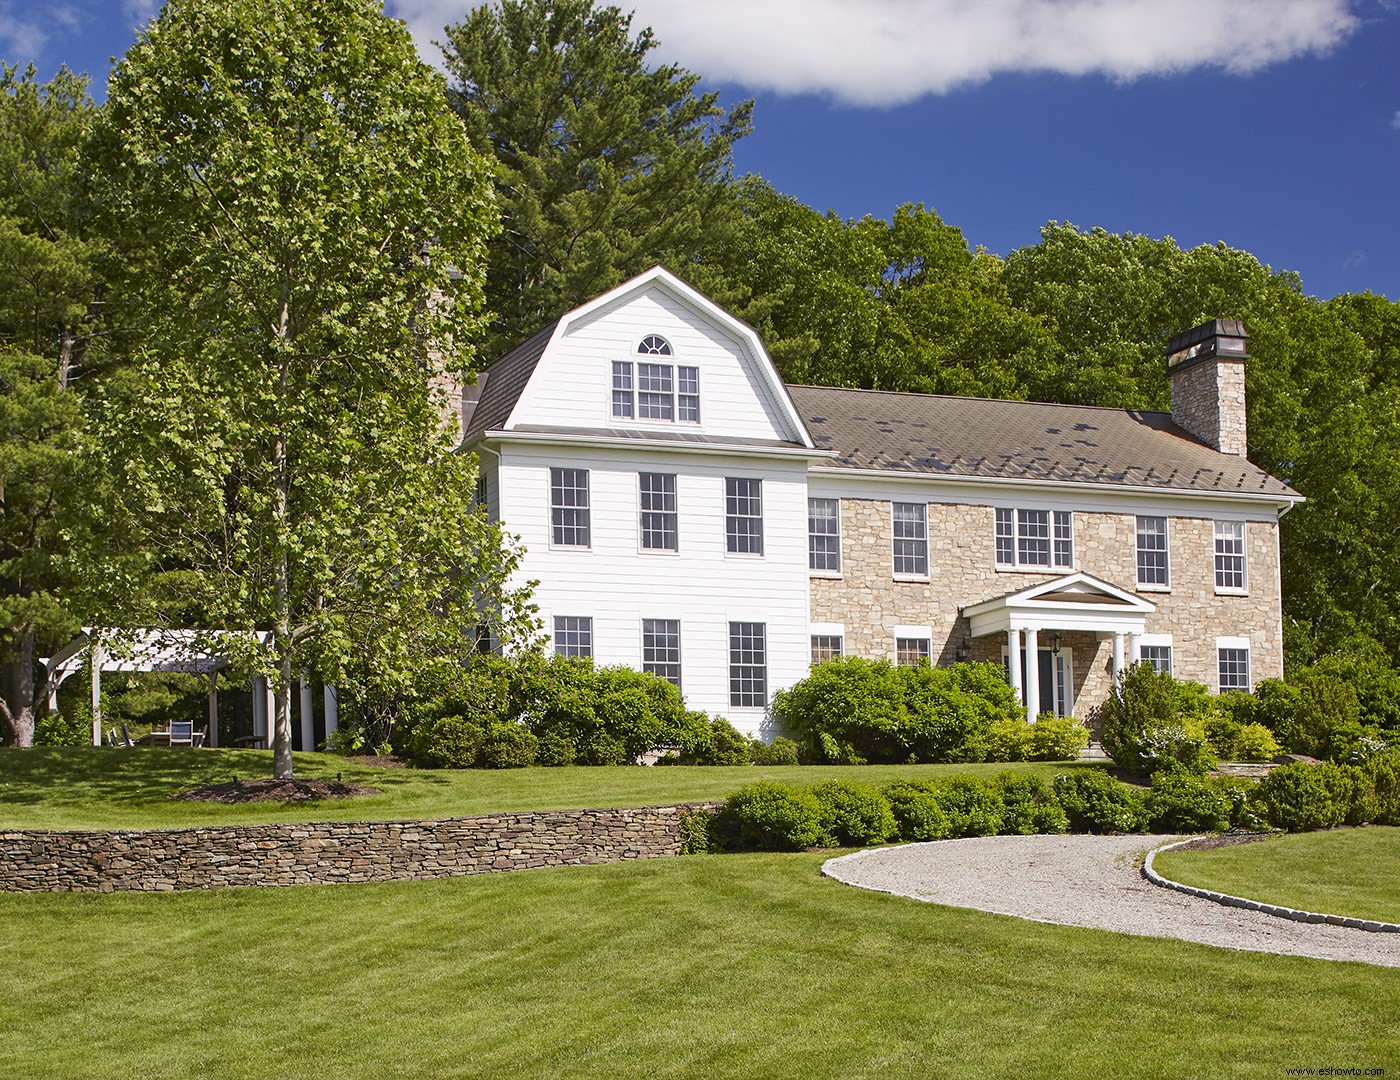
(653, 391)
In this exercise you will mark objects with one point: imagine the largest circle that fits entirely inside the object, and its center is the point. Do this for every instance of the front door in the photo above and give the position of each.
(1056, 680)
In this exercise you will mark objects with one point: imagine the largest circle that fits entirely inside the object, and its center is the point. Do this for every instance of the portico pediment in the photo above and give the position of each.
(1076, 601)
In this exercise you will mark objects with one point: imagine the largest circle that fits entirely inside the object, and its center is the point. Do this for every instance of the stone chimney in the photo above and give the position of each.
(1206, 366)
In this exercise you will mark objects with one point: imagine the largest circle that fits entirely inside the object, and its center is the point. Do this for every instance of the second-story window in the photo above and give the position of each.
(568, 507)
(1152, 566)
(1229, 556)
(910, 540)
(824, 535)
(623, 398)
(743, 516)
(658, 511)
(655, 394)
(1030, 538)
(653, 389)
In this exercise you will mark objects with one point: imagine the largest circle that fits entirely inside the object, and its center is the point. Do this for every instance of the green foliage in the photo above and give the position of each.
(853, 813)
(1181, 802)
(73, 728)
(604, 164)
(1230, 740)
(1008, 739)
(779, 752)
(918, 811)
(1299, 797)
(701, 833)
(973, 806)
(1028, 806)
(1094, 802)
(507, 745)
(777, 817)
(445, 742)
(1382, 774)
(1056, 738)
(714, 741)
(1152, 721)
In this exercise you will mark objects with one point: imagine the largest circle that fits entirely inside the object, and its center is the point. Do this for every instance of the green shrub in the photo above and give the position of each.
(778, 752)
(1057, 738)
(950, 711)
(973, 806)
(918, 810)
(1231, 740)
(1326, 722)
(1094, 802)
(445, 742)
(555, 748)
(1184, 803)
(854, 813)
(1383, 773)
(1153, 721)
(1256, 743)
(857, 704)
(1008, 739)
(1028, 806)
(1300, 797)
(506, 745)
(1245, 811)
(64, 729)
(777, 817)
(700, 832)
(714, 742)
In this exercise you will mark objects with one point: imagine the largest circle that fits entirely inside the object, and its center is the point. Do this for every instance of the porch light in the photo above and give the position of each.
(1055, 644)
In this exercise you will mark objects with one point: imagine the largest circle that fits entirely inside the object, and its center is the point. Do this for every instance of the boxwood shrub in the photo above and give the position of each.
(917, 810)
(854, 813)
(1184, 803)
(777, 817)
(1094, 802)
(1300, 797)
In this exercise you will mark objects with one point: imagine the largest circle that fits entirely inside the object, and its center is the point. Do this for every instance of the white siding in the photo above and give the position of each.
(572, 386)
(701, 584)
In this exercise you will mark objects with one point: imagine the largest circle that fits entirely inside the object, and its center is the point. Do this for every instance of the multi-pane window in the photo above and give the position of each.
(825, 647)
(658, 511)
(481, 489)
(824, 534)
(1229, 555)
(1234, 669)
(1152, 568)
(573, 635)
(623, 400)
(748, 664)
(655, 394)
(911, 651)
(743, 515)
(1159, 656)
(568, 506)
(1034, 538)
(910, 540)
(655, 391)
(661, 649)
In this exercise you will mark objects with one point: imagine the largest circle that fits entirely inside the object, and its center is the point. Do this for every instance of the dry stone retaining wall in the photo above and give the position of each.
(306, 853)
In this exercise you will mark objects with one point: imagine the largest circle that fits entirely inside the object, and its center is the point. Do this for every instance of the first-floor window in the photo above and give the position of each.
(573, 635)
(1234, 669)
(1159, 656)
(748, 664)
(661, 649)
(825, 647)
(911, 651)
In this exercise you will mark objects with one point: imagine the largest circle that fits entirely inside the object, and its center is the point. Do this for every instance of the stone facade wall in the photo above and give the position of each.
(1208, 401)
(297, 853)
(870, 603)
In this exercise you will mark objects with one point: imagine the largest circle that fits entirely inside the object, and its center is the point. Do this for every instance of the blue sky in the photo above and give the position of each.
(1271, 125)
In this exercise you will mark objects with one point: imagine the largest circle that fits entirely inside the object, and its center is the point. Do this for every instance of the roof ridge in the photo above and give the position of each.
(975, 397)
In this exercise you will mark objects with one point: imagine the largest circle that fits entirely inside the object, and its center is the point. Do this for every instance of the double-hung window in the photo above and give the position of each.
(748, 664)
(654, 389)
(1152, 566)
(1159, 656)
(826, 647)
(568, 507)
(657, 495)
(1234, 668)
(1229, 556)
(573, 635)
(1031, 538)
(824, 535)
(911, 652)
(661, 649)
(910, 540)
(743, 516)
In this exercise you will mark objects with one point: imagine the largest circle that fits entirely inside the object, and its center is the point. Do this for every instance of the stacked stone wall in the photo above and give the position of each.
(297, 853)
(870, 603)
(1208, 400)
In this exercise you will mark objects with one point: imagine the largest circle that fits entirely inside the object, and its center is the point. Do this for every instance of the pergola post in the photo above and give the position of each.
(1032, 673)
(332, 711)
(308, 724)
(214, 709)
(97, 658)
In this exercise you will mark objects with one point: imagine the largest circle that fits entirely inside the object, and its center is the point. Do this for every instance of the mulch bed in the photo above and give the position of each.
(377, 761)
(270, 790)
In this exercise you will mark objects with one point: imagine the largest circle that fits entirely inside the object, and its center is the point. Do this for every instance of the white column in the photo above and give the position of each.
(1134, 649)
(1117, 655)
(213, 739)
(308, 727)
(332, 711)
(1013, 663)
(259, 706)
(97, 658)
(1032, 673)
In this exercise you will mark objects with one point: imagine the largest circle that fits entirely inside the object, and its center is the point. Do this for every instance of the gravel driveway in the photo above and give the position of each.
(1093, 881)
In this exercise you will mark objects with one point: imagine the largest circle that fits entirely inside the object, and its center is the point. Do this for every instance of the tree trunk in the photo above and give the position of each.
(281, 509)
(18, 706)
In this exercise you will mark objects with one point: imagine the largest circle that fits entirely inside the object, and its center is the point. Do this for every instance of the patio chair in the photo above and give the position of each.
(199, 736)
(127, 740)
(181, 733)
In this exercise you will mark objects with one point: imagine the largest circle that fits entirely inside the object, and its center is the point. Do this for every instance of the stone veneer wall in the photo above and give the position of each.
(297, 853)
(870, 603)
(1208, 401)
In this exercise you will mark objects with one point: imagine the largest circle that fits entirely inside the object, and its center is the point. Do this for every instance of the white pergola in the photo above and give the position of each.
(1071, 602)
(183, 651)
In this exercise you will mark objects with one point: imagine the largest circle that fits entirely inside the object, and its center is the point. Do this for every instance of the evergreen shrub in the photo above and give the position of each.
(1094, 802)
(854, 813)
(777, 817)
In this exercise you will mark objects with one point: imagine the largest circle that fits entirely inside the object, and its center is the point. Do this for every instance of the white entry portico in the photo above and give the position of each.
(1032, 617)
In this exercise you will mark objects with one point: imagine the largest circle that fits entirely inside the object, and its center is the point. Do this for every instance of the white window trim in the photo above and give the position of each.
(762, 522)
(832, 575)
(1159, 641)
(921, 633)
(826, 629)
(1241, 643)
(748, 710)
(642, 549)
(928, 552)
(1157, 587)
(549, 503)
(1230, 590)
(670, 360)
(1035, 568)
(680, 643)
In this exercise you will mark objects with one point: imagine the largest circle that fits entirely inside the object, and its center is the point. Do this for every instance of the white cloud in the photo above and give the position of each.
(1395, 121)
(141, 11)
(20, 41)
(886, 52)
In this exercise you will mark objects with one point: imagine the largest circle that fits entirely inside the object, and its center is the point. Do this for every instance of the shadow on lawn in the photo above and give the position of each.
(132, 777)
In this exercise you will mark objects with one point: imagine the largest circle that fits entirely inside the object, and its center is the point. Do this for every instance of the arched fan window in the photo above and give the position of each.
(654, 345)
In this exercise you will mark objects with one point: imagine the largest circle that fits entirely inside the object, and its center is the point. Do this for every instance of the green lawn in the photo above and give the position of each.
(1353, 872)
(740, 965)
(46, 788)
